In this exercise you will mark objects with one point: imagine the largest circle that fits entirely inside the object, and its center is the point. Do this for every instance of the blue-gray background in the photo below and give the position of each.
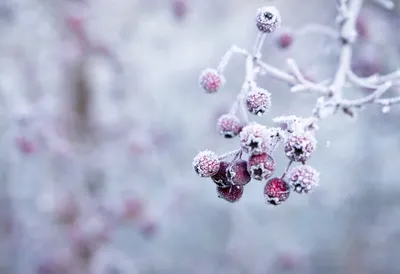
(150, 118)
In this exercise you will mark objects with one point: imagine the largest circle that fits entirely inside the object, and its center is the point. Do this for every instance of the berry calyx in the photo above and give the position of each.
(299, 147)
(254, 138)
(261, 167)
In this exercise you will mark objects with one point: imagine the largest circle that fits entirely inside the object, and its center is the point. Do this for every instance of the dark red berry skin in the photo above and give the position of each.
(276, 191)
(220, 179)
(237, 173)
(285, 40)
(231, 194)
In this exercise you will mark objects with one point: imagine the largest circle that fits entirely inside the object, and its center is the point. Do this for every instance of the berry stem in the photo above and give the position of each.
(227, 57)
(317, 29)
(258, 45)
(230, 153)
(287, 168)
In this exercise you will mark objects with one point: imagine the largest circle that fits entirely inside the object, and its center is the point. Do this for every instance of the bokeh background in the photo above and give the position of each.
(101, 116)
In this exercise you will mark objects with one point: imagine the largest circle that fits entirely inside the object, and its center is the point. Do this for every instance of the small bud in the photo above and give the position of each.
(229, 125)
(211, 80)
(268, 19)
(276, 191)
(206, 163)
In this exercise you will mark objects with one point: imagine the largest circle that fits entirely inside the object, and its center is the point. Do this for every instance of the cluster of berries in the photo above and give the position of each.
(258, 141)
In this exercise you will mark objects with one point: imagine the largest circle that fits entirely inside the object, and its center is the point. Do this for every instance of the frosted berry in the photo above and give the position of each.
(206, 163)
(261, 167)
(303, 178)
(285, 40)
(237, 173)
(211, 80)
(229, 125)
(220, 179)
(268, 19)
(254, 138)
(258, 101)
(299, 147)
(231, 194)
(276, 191)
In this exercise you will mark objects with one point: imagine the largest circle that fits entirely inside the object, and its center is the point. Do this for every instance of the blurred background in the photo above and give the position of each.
(101, 116)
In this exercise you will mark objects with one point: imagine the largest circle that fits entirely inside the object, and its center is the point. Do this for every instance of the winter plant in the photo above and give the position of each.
(297, 134)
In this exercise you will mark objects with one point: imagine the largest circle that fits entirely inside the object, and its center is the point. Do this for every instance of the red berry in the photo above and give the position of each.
(148, 228)
(229, 125)
(26, 146)
(237, 173)
(299, 147)
(362, 27)
(211, 80)
(179, 8)
(261, 167)
(285, 40)
(133, 208)
(254, 139)
(268, 19)
(231, 194)
(206, 163)
(276, 191)
(258, 101)
(303, 178)
(220, 179)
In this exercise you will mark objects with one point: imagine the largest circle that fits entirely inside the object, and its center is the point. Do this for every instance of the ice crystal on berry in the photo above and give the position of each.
(299, 147)
(303, 178)
(276, 191)
(254, 138)
(268, 19)
(276, 135)
(229, 125)
(261, 166)
(211, 80)
(220, 179)
(231, 194)
(258, 101)
(206, 163)
(237, 173)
